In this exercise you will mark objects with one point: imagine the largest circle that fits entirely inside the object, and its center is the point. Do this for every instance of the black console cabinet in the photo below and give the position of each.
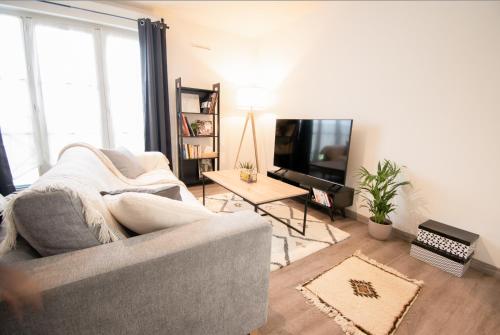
(341, 196)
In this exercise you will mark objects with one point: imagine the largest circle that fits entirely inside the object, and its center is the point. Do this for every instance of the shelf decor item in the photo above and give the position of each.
(205, 165)
(204, 128)
(208, 106)
(444, 246)
(377, 192)
(248, 172)
(198, 127)
(191, 103)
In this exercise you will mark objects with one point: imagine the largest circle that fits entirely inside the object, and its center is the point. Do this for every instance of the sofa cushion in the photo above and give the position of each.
(168, 191)
(125, 162)
(22, 252)
(144, 213)
(53, 222)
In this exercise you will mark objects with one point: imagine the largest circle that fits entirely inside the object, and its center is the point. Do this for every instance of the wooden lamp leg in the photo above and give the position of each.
(241, 141)
(250, 116)
(255, 141)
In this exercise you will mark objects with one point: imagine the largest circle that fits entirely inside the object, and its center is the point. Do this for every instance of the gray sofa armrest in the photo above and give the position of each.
(207, 277)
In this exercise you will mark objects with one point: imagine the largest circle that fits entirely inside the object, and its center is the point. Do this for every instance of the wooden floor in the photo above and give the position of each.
(447, 304)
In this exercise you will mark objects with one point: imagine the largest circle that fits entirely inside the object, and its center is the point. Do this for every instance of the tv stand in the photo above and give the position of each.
(340, 196)
(277, 172)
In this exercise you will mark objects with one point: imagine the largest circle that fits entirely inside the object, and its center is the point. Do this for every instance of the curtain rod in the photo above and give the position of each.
(92, 11)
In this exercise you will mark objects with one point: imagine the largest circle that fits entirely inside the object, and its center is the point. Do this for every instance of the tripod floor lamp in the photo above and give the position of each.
(250, 99)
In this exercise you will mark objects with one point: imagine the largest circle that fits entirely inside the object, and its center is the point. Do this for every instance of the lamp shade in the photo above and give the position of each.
(251, 98)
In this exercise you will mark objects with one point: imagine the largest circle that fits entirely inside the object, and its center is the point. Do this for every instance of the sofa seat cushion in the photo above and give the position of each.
(22, 252)
(125, 162)
(145, 213)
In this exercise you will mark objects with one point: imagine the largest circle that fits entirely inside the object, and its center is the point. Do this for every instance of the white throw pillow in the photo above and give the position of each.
(144, 213)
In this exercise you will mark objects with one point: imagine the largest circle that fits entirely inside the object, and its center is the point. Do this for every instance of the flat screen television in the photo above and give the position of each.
(319, 148)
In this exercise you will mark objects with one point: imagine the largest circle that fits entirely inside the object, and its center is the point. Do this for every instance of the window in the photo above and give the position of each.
(64, 81)
(125, 96)
(70, 93)
(15, 103)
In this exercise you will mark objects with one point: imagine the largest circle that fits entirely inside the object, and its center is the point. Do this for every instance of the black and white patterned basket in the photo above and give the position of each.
(453, 241)
(439, 261)
(453, 247)
(446, 247)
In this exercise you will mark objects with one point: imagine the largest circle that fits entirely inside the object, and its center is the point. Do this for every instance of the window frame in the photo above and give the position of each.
(99, 32)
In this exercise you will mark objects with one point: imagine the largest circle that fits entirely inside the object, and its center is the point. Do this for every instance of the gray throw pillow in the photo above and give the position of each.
(125, 162)
(53, 223)
(169, 191)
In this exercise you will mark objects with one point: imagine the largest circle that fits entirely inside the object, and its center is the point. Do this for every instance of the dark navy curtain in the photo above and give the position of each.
(6, 183)
(152, 40)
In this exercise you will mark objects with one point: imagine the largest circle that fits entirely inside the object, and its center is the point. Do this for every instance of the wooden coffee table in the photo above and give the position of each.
(264, 191)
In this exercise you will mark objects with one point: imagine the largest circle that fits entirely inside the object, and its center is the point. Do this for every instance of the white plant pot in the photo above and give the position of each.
(380, 231)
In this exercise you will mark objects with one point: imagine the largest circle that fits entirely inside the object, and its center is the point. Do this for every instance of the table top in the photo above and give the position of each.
(264, 190)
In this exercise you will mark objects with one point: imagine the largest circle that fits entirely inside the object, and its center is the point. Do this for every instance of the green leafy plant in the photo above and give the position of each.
(246, 165)
(377, 190)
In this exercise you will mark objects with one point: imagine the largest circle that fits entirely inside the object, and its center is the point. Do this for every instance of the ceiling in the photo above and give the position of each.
(246, 18)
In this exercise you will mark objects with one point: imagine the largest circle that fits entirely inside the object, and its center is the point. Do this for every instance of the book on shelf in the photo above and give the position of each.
(190, 128)
(321, 197)
(185, 131)
(193, 151)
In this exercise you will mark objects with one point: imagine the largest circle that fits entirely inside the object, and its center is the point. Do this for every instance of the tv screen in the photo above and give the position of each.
(319, 148)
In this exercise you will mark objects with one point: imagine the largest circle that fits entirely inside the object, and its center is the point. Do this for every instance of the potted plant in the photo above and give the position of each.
(377, 192)
(248, 172)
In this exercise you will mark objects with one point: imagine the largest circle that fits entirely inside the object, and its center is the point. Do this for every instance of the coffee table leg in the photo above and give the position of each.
(203, 183)
(305, 212)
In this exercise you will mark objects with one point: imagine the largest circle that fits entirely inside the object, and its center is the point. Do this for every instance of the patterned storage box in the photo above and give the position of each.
(445, 247)
(452, 241)
(444, 263)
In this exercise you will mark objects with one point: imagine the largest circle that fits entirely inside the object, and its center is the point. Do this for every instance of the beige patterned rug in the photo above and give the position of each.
(287, 245)
(363, 296)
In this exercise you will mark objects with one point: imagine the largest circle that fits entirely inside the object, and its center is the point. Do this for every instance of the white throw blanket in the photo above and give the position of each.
(83, 171)
(154, 177)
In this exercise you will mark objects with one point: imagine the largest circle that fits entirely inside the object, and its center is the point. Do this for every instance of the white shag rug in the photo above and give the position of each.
(287, 244)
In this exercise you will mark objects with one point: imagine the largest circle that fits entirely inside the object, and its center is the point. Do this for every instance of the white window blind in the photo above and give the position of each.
(68, 80)
(85, 83)
(124, 93)
(15, 103)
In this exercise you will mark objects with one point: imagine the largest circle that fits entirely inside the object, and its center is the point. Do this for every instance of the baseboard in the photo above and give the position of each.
(476, 264)
(356, 216)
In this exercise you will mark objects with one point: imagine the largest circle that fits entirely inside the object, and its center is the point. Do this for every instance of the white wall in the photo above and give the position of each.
(421, 81)
(227, 61)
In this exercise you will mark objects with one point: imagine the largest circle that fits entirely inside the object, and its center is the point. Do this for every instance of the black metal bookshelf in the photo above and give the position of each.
(189, 168)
